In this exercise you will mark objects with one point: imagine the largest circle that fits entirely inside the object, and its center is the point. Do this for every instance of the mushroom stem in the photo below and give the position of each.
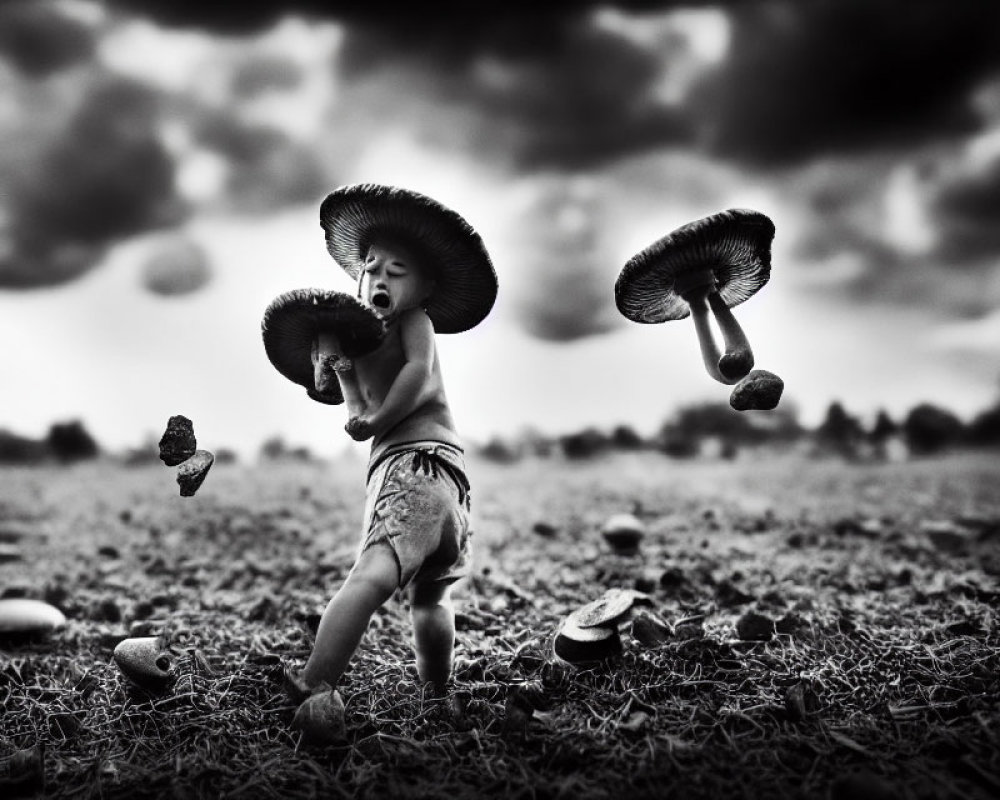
(328, 360)
(706, 339)
(738, 359)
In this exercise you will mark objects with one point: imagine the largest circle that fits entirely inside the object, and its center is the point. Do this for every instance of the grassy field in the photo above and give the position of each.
(884, 682)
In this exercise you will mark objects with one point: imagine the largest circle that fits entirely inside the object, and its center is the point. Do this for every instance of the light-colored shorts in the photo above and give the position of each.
(417, 501)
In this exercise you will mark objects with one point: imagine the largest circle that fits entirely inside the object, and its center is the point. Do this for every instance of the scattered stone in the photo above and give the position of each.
(320, 719)
(690, 627)
(647, 582)
(672, 579)
(178, 442)
(145, 662)
(607, 610)
(730, 595)
(649, 630)
(754, 627)
(849, 526)
(758, 391)
(623, 532)
(544, 529)
(790, 624)
(191, 474)
(108, 551)
(22, 618)
(585, 646)
(945, 535)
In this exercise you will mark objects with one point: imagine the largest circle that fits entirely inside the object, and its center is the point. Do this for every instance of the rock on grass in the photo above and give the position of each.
(320, 719)
(178, 442)
(191, 474)
(754, 627)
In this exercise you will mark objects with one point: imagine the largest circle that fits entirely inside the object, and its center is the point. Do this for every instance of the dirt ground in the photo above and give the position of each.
(883, 679)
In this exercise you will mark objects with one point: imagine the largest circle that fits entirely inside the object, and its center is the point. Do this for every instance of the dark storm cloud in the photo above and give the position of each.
(267, 169)
(38, 39)
(102, 177)
(811, 77)
(966, 209)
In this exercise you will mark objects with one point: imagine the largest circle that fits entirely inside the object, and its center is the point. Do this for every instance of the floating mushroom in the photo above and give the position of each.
(22, 618)
(320, 719)
(607, 610)
(178, 442)
(191, 474)
(623, 532)
(758, 391)
(584, 646)
(713, 264)
(310, 334)
(144, 661)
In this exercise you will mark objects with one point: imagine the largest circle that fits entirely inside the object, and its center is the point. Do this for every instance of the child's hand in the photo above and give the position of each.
(359, 428)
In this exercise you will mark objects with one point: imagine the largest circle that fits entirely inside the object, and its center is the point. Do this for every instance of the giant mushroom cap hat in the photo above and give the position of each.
(735, 245)
(293, 321)
(358, 215)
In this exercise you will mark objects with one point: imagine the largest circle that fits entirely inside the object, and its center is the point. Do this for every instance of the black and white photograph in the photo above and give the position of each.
(491, 399)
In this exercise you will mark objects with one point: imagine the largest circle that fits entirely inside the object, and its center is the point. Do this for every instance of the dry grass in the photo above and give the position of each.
(889, 670)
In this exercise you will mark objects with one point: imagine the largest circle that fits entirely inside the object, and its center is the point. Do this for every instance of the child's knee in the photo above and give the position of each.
(377, 569)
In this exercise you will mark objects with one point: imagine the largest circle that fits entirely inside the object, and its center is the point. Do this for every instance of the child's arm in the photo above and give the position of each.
(412, 385)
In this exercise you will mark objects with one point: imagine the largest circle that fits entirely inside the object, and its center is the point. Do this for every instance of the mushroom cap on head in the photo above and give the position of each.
(294, 319)
(735, 245)
(465, 283)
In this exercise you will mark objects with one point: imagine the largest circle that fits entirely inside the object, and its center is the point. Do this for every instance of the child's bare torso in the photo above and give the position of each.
(374, 375)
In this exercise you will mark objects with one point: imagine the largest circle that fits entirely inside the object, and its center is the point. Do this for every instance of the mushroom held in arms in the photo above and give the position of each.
(713, 264)
(310, 334)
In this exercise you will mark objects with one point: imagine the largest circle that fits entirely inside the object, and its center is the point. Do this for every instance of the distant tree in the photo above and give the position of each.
(16, 449)
(624, 437)
(930, 429)
(984, 430)
(226, 455)
(273, 449)
(498, 450)
(584, 444)
(70, 441)
(883, 428)
(840, 431)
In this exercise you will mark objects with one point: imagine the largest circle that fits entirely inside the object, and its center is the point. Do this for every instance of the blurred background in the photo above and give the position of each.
(162, 165)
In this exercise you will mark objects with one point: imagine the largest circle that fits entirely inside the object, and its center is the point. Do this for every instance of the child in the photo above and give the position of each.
(422, 269)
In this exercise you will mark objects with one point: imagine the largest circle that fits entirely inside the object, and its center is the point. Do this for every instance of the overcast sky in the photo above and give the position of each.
(162, 165)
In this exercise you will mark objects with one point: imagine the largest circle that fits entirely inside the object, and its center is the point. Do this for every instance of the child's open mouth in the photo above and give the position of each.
(380, 300)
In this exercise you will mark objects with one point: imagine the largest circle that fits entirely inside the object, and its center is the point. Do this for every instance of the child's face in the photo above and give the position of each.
(392, 280)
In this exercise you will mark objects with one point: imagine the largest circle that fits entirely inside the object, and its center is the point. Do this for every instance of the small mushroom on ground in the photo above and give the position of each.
(607, 610)
(623, 532)
(585, 646)
(145, 661)
(710, 264)
(191, 474)
(178, 442)
(311, 334)
(22, 618)
(758, 391)
(320, 719)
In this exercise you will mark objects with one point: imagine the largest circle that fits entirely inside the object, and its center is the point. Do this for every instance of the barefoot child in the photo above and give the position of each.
(422, 269)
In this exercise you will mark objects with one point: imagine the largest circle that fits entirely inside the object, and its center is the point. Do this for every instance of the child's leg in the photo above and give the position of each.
(433, 631)
(369, 584)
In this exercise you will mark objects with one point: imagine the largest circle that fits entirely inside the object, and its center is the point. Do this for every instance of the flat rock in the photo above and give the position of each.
(623, 532)
(191, 474)
(144, 661)
(178, 442)
(759, 391)
(23, 617)
(607, 610)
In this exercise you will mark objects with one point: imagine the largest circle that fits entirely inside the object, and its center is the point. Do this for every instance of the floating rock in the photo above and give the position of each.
(754, 627)
(22, 618)
(607, 610)
(585, 646)
(145, 662)
(623, 532)
(178, 442)
(191, 474)
(649, 630)
(758, 391)
(320, 719)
